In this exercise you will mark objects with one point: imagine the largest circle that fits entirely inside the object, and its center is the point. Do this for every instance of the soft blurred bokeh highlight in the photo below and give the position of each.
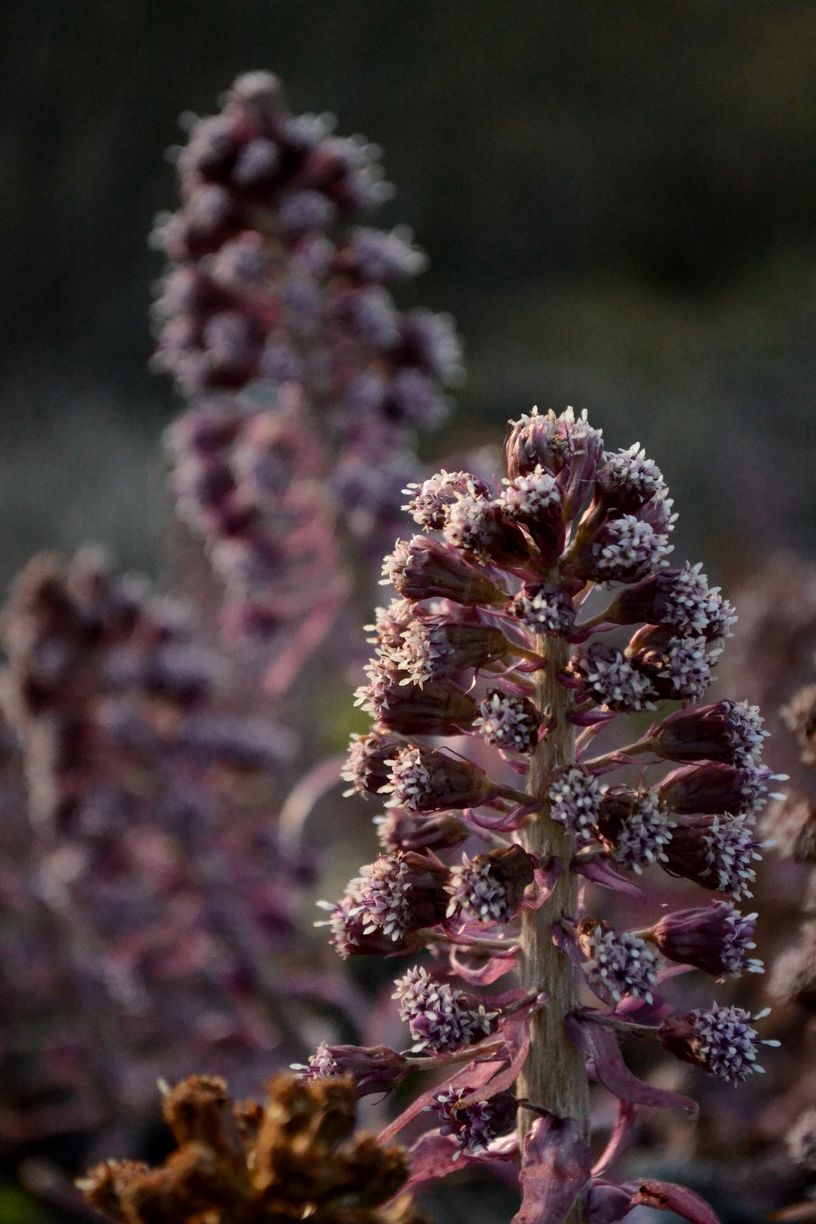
(617, 201)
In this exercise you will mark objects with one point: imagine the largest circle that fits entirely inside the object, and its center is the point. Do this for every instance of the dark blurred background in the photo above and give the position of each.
(618, 201)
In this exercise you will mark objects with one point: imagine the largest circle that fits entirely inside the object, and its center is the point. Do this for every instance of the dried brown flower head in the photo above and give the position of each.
(296, 1157)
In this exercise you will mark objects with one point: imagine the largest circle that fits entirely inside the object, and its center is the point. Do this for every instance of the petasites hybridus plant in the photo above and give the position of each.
(279, 310)
(533, 618)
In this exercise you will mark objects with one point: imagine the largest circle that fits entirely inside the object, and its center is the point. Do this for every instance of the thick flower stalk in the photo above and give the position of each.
(274, 300)
(530, 619)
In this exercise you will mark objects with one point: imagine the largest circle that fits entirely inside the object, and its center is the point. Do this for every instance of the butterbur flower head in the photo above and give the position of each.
(352, 931)
(424, 569)
(801, 1141)
(678, 668)
(623, 550)
(426, 780)
(367, 765)
(430, 499)
(508, 721)
(637, 824)
(717, 788)
(606, 675)
(726, 731)
(479, 527)
(721, 1040)
(475, 1126)
(435, 648)
(390, 623)
(565, 445)
(717, 852)
(678, 598)
(543, 609)
(440, 1017)
(620, 964)
(534, 501)
(399, 829)
(716, 938)
(575, 796)
(627, 480)
(490, 887)
(374, 1069)
(434, 709)
(397, 895)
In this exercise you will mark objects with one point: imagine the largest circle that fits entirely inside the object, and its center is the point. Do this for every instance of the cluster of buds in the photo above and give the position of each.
(297, 1156)
(144, 880)
(499, 636)
(271, 292)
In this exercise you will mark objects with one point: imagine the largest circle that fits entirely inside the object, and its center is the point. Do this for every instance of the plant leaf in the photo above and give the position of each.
(554, 1169)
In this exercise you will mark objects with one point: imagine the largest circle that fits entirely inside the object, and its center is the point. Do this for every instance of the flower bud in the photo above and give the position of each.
(431, 498)
(637, 824)
(606, 675)
(426, 780)
(719, 1039)
(715, 852)
(715, 938)
(678, 668)
(441, 1018)
(534, 501)
(508, 721)
(716, 788)
(490, 887)
(678, 598)
(423, 569)
(433, 648)
(567, 447)
(374, 1069)
(434, 709)
(392, 898)
(575, 797)
(477, 1125)
(626, 480)
(480, 527)
(726, 731)
(543, 609)
(621, 964)
(366, 767)
(402, 830)
(621, 549)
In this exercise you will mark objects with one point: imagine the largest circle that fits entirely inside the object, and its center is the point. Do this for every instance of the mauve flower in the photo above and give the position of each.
(440, 1017)
(374, 1069)
(490, 887)
(726, 731)
(716, 938)
(721, 1040)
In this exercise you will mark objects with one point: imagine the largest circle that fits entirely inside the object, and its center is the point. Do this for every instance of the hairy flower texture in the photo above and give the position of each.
(721, 1040)
(716, 938)
(717, 852)
(543, 609)
(508, 721)
(273, 300)
(296, 1156)
(397, 894)
(474, 1126)
(367, 767)
(490, 887)
(502, 645)
(374, 1069)
(638, 826)
(575, 796)
(680, 599)
(440, 1017)
(621, 964)
(727, 731)
(430, 499)
(610, 679)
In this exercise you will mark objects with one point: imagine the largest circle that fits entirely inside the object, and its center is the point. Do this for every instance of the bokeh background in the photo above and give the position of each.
(618, 202)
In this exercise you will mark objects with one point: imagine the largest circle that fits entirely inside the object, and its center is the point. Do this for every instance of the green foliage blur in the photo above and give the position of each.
(618, 202)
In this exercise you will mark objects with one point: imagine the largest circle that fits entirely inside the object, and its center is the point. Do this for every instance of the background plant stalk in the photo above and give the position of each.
(554, 1074)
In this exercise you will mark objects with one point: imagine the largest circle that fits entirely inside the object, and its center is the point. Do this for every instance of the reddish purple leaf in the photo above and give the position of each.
(599, 872)
(619, 1137)
(433, 1157)
(554, 1170)
(607, 1203)
(602, 1046)
(490, 971)
(516, 1032)
(664, 1196)
(473, 1075)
